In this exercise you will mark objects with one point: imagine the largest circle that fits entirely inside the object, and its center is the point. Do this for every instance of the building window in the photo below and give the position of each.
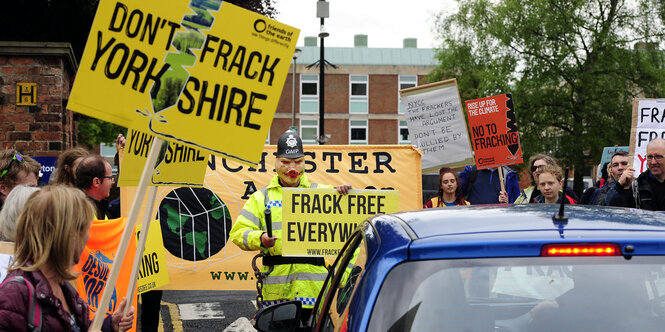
(403, 133)
(405, 82)
(358, 132)
(309, 130)
(309, 93)
(358, 94)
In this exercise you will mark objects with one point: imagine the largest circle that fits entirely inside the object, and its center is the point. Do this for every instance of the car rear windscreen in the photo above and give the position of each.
(524, 294)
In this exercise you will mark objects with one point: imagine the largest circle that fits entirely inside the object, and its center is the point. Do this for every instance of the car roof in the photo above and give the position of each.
(515, 230)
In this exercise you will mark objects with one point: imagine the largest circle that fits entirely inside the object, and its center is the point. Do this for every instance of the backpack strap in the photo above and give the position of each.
(35, 310)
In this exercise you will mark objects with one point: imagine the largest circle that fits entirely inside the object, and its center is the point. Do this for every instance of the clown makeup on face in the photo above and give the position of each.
(290, 170)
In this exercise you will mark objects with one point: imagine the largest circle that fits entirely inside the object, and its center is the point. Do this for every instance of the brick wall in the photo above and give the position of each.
(47, 128)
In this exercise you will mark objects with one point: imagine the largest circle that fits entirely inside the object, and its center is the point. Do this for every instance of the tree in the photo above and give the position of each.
(572, 66)
(70, 21)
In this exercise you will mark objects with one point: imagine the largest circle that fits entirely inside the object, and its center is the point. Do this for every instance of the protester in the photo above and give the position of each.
(618, 164)
(529, 194)
(648, 190)
(94, 176)
(50, 236)
(550, 181)
(450, 193)
(293, 278)
(12, 209)
(65, 172)
(483, 186)
(16, 169)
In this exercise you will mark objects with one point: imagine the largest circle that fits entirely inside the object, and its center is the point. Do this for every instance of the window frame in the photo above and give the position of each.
(404, 79)
(308, 98)
(308, 124)
(358, 99)
(364, 126)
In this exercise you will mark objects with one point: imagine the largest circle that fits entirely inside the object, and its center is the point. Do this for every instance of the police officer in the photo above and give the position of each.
(292, 278)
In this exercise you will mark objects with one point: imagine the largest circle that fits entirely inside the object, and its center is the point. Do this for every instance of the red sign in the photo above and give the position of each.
(494, 134)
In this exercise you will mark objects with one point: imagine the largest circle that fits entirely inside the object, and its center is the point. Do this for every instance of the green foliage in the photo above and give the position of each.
(92, 132)
(572, 66)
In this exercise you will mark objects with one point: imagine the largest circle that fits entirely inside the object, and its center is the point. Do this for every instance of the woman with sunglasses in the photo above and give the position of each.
(537, 161)
(16, 169)
(450, 193)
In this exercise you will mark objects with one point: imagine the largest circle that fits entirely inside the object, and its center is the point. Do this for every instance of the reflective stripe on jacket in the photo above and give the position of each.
(287, 281)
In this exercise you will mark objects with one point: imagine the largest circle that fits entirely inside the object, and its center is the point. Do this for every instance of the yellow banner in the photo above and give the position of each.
(205, 74)
(317, 222)
(153, 272)
(178, 165)
(195, 222)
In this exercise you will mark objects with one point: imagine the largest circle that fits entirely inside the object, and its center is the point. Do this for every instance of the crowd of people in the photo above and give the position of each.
(617, 186)
(50, 225)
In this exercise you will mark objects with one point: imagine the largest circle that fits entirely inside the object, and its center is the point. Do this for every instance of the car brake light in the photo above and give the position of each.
(596, 249)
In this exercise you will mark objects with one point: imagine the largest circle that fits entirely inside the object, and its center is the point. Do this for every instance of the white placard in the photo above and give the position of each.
(648, 124)
(435, 118)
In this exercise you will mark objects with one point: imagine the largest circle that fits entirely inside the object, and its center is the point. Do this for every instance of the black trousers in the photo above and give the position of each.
(150, 306)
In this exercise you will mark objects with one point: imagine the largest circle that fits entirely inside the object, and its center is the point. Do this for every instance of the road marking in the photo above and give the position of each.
(175, 317)
(198, 311)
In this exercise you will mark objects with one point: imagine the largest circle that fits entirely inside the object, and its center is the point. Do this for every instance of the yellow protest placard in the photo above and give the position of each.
(179, 165)
(152, 272)
(317, 222)
(206, 75)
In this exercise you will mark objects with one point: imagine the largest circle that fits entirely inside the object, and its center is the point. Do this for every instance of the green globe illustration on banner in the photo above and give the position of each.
(195, 223)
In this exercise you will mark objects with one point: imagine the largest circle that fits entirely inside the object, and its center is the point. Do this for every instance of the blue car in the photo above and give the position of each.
(493, 268)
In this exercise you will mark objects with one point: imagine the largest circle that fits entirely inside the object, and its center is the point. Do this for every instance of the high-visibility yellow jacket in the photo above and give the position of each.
(287, 281)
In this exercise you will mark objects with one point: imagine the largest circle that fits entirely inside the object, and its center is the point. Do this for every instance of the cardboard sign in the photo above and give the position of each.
(48, 167)
(179, 165)
(317, 222)
(195, 228)
(436, 123)
(648, 124)
(204, 75)
(153, 272)
(496, 141)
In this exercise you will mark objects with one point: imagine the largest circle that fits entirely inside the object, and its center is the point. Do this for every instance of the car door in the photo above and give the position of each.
(338, 292)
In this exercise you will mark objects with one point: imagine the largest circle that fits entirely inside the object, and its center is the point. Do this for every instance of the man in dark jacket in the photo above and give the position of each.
(94, 176)
(618, 164)
(483, 186)
(648, 190)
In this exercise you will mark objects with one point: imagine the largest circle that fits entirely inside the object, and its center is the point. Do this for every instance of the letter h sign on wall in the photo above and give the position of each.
(26, 94)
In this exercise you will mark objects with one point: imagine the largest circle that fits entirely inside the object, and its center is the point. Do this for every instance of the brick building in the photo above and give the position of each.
(35, 81)
(361, 96)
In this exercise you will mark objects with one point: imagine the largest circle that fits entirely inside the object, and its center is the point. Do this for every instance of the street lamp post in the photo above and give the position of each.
(322, 12)
(296, 54)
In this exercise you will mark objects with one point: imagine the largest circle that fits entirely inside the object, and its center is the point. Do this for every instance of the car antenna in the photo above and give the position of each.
(560, 217)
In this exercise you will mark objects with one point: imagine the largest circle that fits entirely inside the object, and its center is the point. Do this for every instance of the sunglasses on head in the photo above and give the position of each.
(18, 157)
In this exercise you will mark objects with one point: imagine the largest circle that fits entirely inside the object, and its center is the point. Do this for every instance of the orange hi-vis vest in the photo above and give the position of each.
(95, 265)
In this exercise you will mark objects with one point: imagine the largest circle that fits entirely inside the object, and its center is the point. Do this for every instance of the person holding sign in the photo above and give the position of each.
(648, 190)
(483, 186)
(450, 193)
(51, 234)
(291, 278)
(550, 181)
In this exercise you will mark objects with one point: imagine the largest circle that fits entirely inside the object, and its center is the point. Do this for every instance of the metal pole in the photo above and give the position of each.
(322, 81)
(293, 99)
